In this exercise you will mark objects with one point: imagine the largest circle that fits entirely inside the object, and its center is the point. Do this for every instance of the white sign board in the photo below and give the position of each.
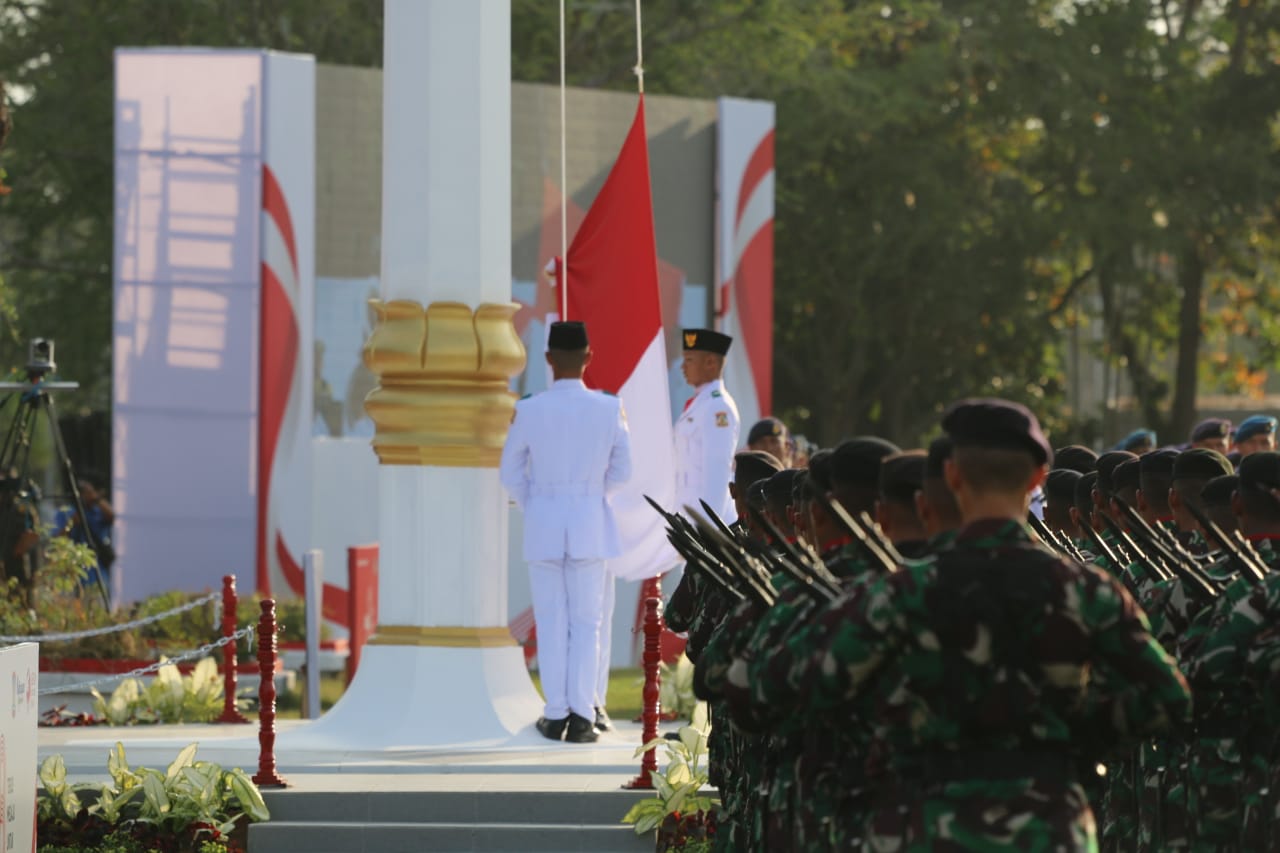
(19, 714)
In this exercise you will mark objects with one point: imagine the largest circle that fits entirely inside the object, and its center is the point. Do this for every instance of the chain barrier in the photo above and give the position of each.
(246, 631)
(111, 629)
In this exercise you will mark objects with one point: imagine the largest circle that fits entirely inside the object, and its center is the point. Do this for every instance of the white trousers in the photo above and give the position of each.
(567, 606)
(606, 639)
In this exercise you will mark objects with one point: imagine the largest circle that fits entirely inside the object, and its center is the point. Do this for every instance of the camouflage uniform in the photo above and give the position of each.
(1229, 761)
(981, 662)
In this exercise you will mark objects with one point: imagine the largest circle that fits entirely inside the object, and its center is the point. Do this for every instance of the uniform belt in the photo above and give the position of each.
(964, 765)
(566, 490)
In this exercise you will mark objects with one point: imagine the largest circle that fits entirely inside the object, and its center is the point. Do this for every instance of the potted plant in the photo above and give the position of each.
(680, 815)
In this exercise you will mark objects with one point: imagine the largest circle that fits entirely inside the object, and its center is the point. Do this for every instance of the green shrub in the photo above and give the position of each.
(170, 698)
(184, 809)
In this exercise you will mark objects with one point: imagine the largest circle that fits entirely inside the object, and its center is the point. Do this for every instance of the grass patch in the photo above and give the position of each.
(625, 689)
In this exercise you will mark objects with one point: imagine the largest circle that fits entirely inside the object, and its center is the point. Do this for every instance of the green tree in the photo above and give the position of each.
(56, 225)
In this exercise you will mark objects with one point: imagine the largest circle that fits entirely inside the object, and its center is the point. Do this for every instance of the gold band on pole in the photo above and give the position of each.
(445, 636)
(444, 374)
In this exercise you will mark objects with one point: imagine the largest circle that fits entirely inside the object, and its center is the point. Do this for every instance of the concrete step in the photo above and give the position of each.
(486, 820)
(393, 837)
(492, 806)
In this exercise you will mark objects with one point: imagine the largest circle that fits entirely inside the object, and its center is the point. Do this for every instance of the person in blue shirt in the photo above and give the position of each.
(99, 517)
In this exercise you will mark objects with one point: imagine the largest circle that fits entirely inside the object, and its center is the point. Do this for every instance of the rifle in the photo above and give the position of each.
(1135, 552)
(792, 558)
(735, 555)
(1047, 535)
(880, 551)
(1177, 559)
(1254, 570)
(700, 560)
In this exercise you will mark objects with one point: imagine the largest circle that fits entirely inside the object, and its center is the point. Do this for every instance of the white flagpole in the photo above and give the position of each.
(639, 69)
(564, 187)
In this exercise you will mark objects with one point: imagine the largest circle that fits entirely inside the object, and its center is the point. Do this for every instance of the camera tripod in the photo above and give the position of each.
(33, 398)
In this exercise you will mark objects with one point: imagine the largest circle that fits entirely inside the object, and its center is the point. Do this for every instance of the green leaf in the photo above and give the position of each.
(648, 823)
(647, 806)
(157, 798)
(653, 744)
(53, 775)
(184, 759)
(248, 795)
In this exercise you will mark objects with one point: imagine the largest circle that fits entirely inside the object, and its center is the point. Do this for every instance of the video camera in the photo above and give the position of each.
(40, 358)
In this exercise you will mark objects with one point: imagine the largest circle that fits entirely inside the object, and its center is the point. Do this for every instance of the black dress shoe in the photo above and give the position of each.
(552, 729)
(581, 730)
(603, 723)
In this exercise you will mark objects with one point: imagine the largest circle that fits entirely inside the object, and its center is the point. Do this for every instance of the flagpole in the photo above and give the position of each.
(639, 69)
(564, 187)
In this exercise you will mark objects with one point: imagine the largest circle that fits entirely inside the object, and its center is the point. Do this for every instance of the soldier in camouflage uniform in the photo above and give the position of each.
(1234, 739)
(806, 783)
(701, 608)
(980, 664)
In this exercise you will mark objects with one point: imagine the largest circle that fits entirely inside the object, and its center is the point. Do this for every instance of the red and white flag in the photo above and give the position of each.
(613, 288)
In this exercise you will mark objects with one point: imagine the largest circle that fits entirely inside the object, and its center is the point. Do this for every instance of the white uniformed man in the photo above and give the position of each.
(567, 451)
(706, 433)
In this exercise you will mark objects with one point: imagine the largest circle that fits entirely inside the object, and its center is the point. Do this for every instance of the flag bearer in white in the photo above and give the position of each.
(567, 451)
(707, 432)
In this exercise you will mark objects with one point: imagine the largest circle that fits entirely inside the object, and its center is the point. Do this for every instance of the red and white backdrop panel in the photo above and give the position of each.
(213, 278)
(744, 234)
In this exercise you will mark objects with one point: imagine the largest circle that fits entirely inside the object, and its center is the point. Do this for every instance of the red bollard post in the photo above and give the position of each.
(266, 775)
(229, 712)
(652, 706)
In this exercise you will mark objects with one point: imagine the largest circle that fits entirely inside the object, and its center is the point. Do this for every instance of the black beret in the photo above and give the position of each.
(765, 428)
(1218, 491)
(707, 340)
(1158, 462)
(1075, 457)
(567, 335)
(902, 475)
(995, 423)
(1107, 463)
(799, 486)
(856, 461)
(939, 453)
(1260, 471)
(820, 471)
(1211, 428)
(1061, 485)
(1126, 475)
(1200, 463)
(1084, 489)
(778, 487)
(750, 466)
(1234, 458)
(755, 495)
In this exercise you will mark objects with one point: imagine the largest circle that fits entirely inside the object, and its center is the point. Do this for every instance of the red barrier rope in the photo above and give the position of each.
(266, 775)
(652, 679)
(229, 667)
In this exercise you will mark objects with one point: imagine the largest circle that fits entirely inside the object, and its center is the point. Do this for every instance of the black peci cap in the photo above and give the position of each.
(997, 424)
(1084, 490)
(568, 336)
(820, 471)
(707, 340)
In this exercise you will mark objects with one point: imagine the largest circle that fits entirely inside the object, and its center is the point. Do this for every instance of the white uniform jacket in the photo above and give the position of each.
(706, 438)
(567, 451)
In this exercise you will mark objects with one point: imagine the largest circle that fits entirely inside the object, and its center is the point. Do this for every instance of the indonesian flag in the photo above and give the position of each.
(613, 288)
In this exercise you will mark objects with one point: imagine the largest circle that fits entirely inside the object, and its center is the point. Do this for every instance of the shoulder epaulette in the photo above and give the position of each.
(715, 393)
(526, 396)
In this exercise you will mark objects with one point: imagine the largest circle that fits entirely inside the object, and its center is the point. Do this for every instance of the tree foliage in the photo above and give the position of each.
(959, 182)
